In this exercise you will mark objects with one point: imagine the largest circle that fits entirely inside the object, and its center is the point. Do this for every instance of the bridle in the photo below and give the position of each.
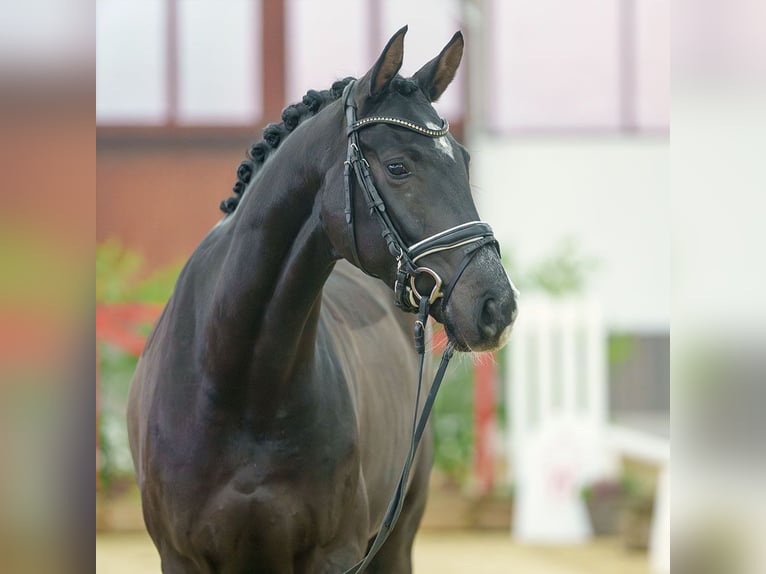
(470, 237)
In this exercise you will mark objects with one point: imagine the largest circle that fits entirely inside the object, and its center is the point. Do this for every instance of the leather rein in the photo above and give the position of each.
(470, 236)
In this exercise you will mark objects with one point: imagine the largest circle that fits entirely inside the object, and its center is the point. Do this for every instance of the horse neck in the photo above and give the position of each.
(265, 305)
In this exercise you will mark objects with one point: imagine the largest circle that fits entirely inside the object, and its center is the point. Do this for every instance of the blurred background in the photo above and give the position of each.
(551, 456)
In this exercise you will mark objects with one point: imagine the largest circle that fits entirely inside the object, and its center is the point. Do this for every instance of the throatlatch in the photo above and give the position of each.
(470, 236)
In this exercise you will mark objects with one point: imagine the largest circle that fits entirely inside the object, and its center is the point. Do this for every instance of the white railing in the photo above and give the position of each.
(558, 434)
(557, 402)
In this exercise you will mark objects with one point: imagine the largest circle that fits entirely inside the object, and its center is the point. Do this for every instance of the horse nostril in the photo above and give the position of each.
(496, 315)
(490, 318)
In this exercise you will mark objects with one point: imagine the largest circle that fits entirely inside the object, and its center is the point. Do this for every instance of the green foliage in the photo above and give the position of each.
(633, 487)
(620, 347)
(116, 371)
(453, 421)
(120, 276)
(116, 271)
(565, 271)
(158, 287)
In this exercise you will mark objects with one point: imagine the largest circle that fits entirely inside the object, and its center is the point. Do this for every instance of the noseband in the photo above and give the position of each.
(470, 236)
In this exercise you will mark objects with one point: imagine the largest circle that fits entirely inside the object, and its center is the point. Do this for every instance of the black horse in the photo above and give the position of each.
(271, 410)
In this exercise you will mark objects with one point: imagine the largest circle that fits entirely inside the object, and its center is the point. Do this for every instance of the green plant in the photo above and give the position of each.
(452, 422)
(116, 370)
(121, 277)
(621, 347)
(607, 499)
(563, 272)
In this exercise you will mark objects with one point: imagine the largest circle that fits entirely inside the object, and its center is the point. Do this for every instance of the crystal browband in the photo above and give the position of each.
(401, 123)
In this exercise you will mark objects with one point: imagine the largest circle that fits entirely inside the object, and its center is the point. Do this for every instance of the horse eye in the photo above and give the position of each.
(397, 169)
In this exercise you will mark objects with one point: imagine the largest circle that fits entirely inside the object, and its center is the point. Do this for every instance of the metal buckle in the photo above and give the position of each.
(415, 295)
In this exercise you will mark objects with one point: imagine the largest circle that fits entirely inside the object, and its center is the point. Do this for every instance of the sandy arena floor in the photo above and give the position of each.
(437, 552)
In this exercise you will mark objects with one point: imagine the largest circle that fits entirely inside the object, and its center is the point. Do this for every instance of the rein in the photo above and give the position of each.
(470, 236)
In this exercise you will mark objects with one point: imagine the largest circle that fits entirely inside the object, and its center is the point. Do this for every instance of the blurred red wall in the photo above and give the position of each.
(159, 193)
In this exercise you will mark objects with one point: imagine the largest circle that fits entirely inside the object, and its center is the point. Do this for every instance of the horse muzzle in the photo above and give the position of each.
(481, 313)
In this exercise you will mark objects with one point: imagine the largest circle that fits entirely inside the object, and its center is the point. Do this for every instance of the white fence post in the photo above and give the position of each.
(557, 400)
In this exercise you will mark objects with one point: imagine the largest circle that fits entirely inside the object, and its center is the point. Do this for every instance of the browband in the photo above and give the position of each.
(432, 133)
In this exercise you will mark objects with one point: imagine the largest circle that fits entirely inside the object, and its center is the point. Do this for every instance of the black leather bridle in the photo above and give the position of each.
(470, 236)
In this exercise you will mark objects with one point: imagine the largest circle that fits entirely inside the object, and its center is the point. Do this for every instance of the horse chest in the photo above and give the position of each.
(285, 491)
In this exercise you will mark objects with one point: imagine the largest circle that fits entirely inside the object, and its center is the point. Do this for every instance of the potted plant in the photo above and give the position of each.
(604, 500)
(636, 518)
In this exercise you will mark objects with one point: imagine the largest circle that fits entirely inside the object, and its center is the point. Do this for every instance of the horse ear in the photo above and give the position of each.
(436, 75)
(388, 63)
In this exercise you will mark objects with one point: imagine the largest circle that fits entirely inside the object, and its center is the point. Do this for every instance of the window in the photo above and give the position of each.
(191, 62)
(219, 61)
(131, 63)
(580, 65)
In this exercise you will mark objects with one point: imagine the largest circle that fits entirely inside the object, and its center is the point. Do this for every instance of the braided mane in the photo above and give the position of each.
(273, 135)
(292, 116)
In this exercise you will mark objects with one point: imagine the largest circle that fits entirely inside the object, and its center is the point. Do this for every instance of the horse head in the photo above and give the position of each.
(405, 212)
